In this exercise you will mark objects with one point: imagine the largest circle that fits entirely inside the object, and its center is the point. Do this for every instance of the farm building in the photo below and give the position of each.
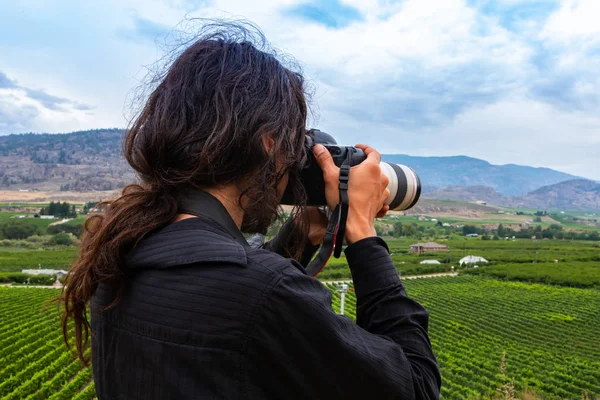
(429, 247)
(430, 262)
(472, 260)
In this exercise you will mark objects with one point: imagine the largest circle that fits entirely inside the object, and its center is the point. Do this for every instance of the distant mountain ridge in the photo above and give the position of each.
(508, 180)
(574, 194)
(92, 160)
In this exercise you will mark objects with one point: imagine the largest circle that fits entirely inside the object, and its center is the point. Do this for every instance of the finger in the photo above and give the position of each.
(370, 152)
(385, 181)
(386, 194)
(325, 161)
(383, 211)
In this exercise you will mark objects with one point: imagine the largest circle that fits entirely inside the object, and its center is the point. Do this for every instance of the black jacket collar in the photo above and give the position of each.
(212, 237)
(203, 204)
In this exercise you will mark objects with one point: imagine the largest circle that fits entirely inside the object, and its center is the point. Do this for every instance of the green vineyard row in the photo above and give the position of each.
(548, 336)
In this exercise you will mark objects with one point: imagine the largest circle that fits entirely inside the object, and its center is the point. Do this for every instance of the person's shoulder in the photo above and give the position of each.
(272, 263)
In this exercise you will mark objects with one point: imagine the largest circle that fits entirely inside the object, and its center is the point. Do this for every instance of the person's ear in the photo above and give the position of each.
(268, 143)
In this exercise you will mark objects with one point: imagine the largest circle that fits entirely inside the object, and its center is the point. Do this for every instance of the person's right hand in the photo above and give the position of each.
(367, 190)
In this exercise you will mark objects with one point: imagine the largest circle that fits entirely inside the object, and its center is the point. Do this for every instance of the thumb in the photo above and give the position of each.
(324, 160)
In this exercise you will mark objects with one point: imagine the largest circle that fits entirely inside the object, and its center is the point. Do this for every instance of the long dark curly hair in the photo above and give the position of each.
(202, 125)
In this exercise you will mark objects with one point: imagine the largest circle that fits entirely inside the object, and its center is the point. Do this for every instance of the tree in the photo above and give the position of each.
(594, 236)
(411, 229)
(501, 231)
(469, 229)
(17, 230)
(75, 230)
(88, 206)
(58, 209)
(62, 239)
(398, 231)
(556, 227)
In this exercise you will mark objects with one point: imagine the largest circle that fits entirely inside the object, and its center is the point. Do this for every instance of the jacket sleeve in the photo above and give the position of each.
(308, 351)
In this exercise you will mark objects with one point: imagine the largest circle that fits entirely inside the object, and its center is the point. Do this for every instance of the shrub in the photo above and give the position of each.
(19, 277)
(62, 239)
(17, 230)
(76, 230)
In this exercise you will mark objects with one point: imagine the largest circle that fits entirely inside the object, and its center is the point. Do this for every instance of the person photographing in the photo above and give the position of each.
(183, 307)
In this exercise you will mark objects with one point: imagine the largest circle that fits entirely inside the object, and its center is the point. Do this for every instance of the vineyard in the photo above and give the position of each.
(34, 362)
(546, 335)
(573, 274)
(501, 252)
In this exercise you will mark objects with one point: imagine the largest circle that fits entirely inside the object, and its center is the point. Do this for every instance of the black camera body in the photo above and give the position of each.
(405, 185)
(311, 176)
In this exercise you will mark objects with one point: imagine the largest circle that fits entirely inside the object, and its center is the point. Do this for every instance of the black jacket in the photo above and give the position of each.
(206, 316)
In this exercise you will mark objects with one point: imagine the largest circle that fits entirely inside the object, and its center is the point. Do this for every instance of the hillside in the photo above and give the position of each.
(468, 193)
(89, 161)
(79, 161)
(508, 180)
(574, 194)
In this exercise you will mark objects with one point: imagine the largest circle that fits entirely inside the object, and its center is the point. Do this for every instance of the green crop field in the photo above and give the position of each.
(574, 274)
(497, 252)
(13, 260)
(548, 336)
(34, 362)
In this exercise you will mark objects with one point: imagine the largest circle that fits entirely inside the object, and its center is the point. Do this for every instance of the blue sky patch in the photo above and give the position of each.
(330, 13)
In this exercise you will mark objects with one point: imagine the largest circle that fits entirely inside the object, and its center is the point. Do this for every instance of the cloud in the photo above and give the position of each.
(21, 107)
(511, 81)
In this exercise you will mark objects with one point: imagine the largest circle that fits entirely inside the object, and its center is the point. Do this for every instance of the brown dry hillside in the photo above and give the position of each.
(81, 161)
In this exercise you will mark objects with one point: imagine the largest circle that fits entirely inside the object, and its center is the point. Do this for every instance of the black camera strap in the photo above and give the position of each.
(336, 228)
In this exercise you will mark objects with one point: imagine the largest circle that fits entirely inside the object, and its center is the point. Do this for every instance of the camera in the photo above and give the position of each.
(404, 186)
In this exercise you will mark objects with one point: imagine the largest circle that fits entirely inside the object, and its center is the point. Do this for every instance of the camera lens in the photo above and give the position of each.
(404, 186)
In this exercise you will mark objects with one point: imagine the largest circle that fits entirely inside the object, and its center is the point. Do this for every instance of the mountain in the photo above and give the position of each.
(92, 160)
(574, 194)
(468, 194)
(508, 180)
(78, 161)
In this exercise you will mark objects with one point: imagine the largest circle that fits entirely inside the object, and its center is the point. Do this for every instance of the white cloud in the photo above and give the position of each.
(575, 20)
(414, 76)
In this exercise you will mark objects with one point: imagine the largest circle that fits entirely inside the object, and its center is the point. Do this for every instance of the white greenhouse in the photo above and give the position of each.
(472, 260)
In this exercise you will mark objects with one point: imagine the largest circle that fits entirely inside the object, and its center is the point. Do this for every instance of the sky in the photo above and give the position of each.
(507, 81)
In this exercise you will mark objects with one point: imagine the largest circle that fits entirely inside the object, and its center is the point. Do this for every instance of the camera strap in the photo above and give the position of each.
(336, 228)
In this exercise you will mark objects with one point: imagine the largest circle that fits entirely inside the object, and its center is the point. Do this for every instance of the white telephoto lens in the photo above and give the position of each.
(404, 186)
